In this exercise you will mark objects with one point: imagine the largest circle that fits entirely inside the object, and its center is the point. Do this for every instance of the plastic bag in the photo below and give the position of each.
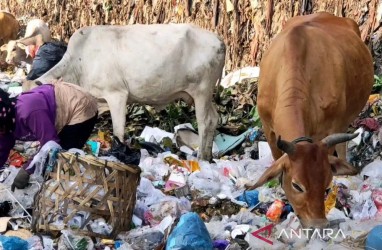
(246, 171)
(364, 211)
(154, 168)
(190, 233)
(148, 194)
(330, 201)
(275, 210)
(220, 244)
(5, 208)
(373, 169)
(123, 153)
(250, 197)
(8, 175)
(72, 241)
(40, 158)
(210, 181)
(144, 238)
(217, 230)
(160, 210)
(48, 55)
(376, 195)
(13, 243)
(152, 148)
(374, 238)
(100, 226)
(34, 243)
(246, 217)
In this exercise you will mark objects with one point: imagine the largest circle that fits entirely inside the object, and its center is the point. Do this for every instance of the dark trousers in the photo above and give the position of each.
(75, 136)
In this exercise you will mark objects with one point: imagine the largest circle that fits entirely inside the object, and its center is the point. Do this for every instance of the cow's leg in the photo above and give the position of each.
(207, 118)
(117, 104)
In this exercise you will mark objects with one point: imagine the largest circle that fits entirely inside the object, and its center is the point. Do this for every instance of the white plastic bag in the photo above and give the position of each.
(148, 194)
(373, 169)
(40, 158)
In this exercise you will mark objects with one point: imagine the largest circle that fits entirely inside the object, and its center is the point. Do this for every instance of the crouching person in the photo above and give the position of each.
(60, 112)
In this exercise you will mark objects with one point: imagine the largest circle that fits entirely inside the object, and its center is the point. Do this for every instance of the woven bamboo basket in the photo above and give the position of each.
(81, 192)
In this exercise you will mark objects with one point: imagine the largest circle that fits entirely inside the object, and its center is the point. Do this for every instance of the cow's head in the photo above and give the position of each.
(306, 171)
(16, 52)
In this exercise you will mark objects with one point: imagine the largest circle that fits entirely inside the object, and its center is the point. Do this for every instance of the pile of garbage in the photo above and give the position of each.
(185, 203)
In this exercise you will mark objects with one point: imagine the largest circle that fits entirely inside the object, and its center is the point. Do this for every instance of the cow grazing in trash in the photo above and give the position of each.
(37, 33)
(315, 79)
(149, 64)
(9, 28)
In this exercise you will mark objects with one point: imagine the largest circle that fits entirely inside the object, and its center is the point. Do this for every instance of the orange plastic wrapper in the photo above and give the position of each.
(275, 210)
(373, 98)
(192, 166)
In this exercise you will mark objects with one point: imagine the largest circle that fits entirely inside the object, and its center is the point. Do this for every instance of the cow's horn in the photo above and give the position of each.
(334, 139)
(285, 146)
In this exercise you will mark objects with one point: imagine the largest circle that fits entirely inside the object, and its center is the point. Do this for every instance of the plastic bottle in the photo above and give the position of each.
(330, 201)
(275, 210)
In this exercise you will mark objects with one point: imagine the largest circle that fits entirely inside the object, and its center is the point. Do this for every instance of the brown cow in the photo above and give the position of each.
(315, 79)
(9, 27)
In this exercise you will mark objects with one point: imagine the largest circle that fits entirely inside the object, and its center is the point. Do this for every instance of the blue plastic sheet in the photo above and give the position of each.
(190, 233)
(13, 243)
(250, 197)
(374, 239)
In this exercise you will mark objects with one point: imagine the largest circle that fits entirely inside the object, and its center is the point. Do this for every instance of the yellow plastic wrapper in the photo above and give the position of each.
(107, 242)
(101, 135)
(173, 161)
(330, 201)
(190, 165)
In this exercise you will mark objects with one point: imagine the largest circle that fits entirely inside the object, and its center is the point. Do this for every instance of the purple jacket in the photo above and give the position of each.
(35, 120)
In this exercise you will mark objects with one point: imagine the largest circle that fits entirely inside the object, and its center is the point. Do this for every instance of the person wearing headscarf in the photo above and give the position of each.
(60, 112)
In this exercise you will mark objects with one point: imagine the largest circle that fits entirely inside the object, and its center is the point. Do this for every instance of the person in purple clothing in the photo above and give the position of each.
(59, 112)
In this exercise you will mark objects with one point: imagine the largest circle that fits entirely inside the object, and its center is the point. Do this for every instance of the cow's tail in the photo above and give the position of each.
(57, 72)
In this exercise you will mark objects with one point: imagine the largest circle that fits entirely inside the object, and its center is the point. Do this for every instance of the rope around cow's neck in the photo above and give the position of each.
(301, 139)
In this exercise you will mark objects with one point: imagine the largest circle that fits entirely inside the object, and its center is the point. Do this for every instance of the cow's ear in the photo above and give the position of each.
(341, 167)
(271, 173)
(21, 46)
(3, 47)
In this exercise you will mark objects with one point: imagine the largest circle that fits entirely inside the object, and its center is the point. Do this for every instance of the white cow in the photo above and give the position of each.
(148, 64)
(17, 50)
(38, 26)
